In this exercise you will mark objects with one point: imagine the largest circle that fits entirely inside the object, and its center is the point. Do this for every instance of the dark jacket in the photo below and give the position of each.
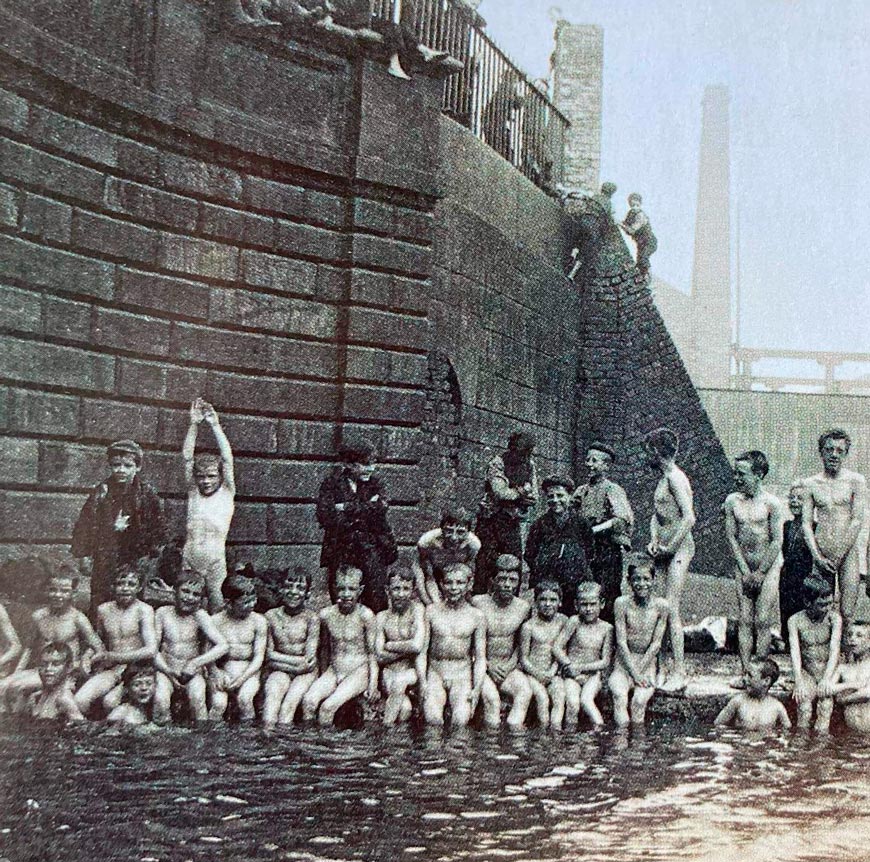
(559, 549)
(362, 527)
(796, 555)
(94, 534)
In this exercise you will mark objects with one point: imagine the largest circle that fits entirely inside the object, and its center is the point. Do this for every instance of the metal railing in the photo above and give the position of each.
(490, 96)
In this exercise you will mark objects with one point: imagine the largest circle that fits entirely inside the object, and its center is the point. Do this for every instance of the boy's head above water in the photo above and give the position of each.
(548, 598)
(125, 461)
(240, 595)
(589, 601)
(348, 587)
(761, 676)
(818, 597)
(139, 680)
(401, 588)
(55, 661)
(208, 473)
(858, 638)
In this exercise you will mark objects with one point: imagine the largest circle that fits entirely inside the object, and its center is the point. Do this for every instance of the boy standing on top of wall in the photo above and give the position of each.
(121, 522)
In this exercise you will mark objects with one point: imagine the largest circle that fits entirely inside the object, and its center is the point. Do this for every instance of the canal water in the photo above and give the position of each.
(675, 791)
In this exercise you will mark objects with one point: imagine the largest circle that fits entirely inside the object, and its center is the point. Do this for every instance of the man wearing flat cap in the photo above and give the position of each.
(605, 505)
(352, 509)
(120, 523)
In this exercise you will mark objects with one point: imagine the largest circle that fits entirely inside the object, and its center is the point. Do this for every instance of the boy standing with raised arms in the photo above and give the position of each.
(456, 658)
(505, 615)
(211, 495)
(754, 521)
(181, 631)
(640, 621)
(814, 638)
(400, 635)
(672, 546)
(834, 512)
(347, 636)
(291, 652)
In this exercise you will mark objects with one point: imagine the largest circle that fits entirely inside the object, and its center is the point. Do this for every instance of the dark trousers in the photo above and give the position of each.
(606, 567)
(499, 534)
(374, 593)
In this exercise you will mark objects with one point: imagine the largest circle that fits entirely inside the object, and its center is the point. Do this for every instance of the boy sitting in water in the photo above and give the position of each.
(505, 615)
(584, 649)
(451, 542)
(852, 680)
(291, 651)
(640, 621)
(400, 634)
(181, 632)
(211, 494)
(814, 636)
(57, 622)
(244, 630)
(755, 709)
(140, 692)
(55, 698)
(456, 658)
(538, 637)
(126, 626)
(347, 633)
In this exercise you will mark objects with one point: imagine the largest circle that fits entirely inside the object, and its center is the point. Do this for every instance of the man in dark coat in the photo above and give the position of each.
(560, 542)
(120, 523)
(352, 509)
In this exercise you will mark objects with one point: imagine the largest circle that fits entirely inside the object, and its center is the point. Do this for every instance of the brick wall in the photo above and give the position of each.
(157, 244)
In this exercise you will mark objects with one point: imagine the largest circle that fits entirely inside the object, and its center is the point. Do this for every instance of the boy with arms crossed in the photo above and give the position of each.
(456, 657)
(852, 681)
(835, 508)
(584, 650)
(181, 631)
(672, 546)
(54, 699)
(347, 634)
(756, 709)
(814, 637)
(211, 494)
(291, 651)
(451, 542)
(754, 521)
(126, 626)
(244, 631)
(57, 622)
(538, 636)
(640, 621)
(505, 615)
(400, 635)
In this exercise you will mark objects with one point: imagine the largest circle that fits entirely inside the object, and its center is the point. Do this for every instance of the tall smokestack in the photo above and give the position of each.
(711, 275)
(577, 67)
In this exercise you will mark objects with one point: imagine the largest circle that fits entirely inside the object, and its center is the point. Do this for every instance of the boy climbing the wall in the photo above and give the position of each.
(451, 542)
(211, 494)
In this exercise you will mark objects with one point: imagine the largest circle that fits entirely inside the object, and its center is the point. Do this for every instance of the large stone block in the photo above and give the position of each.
(307, 240)
(383, 405)
(389, 330)
(34, 362)
(43, 413)
(63, 318)
(200, 178)
(270, 396)
(25, 165)
(198, 257)
(387, 253)
(46, 219)
(272, 313)
(22, 310)
(151, 291)
(56, 270)
(19, 461)
(14, 111)
(117, 421)
(274, 197)
(135, 332)
(152, 205)
(237, 226)
(284, 274)
(74, 137)
(115, 238)
(48, 518)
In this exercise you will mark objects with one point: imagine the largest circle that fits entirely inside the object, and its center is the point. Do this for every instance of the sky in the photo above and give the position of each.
(799, 76)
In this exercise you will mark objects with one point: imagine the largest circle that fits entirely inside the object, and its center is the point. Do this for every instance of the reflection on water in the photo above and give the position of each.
(230, 793)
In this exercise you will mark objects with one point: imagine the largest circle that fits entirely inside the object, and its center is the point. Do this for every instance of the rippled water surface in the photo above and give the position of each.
(672, 792)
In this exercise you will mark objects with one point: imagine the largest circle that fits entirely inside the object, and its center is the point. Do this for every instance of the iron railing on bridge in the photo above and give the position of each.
(490, 96)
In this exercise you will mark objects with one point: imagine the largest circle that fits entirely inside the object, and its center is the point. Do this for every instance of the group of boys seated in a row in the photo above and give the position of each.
(460, 651)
